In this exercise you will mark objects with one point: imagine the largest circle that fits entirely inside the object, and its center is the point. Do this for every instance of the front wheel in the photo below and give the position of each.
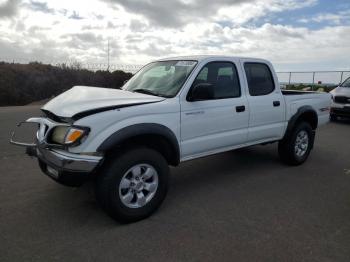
(132, 186)
(295, 149)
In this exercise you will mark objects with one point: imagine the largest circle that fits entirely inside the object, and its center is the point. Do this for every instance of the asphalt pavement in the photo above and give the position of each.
(242, 205)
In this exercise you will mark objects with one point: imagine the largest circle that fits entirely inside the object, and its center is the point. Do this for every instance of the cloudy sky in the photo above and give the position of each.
(293, 34)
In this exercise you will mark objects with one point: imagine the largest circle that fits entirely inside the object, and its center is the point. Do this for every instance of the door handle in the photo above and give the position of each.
(240, 109)
(276, 103)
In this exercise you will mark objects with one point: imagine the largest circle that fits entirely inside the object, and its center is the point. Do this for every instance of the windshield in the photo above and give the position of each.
(164, 78)
(346, 83)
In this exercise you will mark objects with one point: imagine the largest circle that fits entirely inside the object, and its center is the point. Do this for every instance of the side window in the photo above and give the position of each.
(203, 74)
(225, 71)
(223, 77)
(260, 80)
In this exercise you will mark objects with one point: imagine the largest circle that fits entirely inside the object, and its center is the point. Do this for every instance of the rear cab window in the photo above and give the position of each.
(259, 78)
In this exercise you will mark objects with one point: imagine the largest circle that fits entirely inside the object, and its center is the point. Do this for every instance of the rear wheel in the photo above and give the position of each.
(133, 185)
(295, 149)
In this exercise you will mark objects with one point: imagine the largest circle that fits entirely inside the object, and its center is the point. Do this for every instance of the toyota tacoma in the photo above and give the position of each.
(172, 110)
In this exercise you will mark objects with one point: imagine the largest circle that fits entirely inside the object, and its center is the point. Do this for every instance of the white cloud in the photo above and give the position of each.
(46, 31)
(8, 8)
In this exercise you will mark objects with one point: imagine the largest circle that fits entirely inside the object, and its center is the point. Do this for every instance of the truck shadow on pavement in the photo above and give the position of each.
(224, 168)
(342, 121)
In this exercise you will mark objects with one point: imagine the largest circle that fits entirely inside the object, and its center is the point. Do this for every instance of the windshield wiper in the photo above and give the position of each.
(146, 91)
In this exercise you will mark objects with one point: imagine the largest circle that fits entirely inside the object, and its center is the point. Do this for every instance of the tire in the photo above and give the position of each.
(296, 147)
(121, 185)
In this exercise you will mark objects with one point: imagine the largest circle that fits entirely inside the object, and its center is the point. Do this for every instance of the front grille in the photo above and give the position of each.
(42, 131)
(342, 99)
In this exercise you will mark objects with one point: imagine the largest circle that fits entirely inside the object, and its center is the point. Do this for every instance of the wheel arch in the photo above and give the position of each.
(304, 113)
(155, 136)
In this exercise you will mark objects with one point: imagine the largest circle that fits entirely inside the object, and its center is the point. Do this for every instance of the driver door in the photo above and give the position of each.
(218, 123)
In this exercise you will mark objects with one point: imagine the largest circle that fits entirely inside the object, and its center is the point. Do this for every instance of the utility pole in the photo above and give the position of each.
(108, 55)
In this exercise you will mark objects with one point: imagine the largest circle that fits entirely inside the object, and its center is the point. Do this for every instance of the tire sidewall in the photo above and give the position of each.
(114, 172)
(301, 127)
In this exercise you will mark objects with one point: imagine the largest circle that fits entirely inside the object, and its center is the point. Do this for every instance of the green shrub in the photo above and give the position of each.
(315, 87)
(21, 84)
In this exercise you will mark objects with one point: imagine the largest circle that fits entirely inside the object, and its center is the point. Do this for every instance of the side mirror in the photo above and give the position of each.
(203, 91)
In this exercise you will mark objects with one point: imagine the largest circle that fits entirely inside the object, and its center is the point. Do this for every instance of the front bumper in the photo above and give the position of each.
(66, 168)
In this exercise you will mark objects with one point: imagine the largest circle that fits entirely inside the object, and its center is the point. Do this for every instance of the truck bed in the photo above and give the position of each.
(297, 92)
(319, 101)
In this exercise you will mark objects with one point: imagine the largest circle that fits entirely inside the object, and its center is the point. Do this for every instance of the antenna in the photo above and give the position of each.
(108, 55)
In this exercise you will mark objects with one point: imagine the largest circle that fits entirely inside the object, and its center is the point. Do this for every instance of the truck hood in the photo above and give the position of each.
(81, 101)
(341, 91)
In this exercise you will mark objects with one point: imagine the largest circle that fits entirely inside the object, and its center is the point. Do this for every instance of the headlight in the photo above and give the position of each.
(68, 135)
(58, 134)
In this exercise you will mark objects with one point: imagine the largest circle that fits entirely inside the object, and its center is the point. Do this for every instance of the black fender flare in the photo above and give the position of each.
(141, 129)
(297, 116)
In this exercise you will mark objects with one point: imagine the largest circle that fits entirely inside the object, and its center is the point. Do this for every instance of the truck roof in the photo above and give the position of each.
(200, 58)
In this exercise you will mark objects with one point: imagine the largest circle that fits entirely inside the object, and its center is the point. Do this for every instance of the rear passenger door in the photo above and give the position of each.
(266, 103)
(210, 125)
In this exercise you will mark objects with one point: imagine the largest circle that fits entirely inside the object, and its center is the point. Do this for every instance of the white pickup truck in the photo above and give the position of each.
(171, 111)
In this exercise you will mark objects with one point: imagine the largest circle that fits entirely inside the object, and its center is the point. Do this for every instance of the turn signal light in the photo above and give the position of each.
(73, 135)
